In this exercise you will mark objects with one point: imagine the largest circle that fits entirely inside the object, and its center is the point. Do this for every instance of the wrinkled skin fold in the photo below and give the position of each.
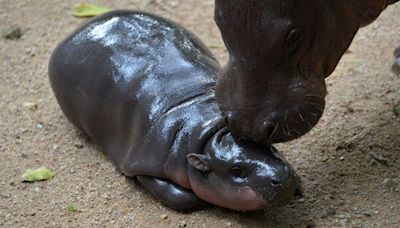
(273, 87)
(142, 88)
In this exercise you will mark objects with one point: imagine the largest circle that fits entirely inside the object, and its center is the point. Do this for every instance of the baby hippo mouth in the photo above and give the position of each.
(256, 201)
(253, 201)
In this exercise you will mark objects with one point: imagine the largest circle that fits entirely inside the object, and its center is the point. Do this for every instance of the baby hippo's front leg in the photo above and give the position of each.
(396, 65)
(171, 194)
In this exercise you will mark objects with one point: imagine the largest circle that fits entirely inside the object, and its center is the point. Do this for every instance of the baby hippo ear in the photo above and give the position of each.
(199, 161)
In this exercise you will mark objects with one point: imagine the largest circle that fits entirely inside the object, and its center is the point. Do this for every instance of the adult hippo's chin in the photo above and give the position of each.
(281, 51)
(142, 88)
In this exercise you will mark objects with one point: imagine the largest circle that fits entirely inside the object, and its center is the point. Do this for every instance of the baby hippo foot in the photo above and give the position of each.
(396, 65)
(171, 194)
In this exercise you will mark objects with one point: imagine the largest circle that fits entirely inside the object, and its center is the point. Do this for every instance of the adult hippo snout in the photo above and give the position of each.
(280, 52)
(287, 108)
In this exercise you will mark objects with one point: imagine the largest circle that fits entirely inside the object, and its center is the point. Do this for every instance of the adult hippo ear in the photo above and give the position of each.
(273, 87)
(199, 161)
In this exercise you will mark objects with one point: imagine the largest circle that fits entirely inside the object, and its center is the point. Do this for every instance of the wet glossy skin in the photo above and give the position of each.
(273, 88)
(142, 88)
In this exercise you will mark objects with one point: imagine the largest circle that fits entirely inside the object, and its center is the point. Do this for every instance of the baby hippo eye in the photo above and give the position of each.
(293, 37)
(237, 172)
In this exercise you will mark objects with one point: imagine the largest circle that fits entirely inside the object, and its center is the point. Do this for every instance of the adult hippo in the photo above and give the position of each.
(142, 88)
(273, 88)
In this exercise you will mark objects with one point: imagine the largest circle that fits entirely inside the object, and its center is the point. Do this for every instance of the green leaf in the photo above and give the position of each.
(39, 174)
(88, 10)
(71, 207)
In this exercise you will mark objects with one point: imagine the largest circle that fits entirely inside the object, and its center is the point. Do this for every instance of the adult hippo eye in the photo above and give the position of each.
(293, 37)
(237, 172)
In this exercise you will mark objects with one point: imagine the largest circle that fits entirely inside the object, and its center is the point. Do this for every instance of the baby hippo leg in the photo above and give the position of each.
(396, 65)
(171, 194)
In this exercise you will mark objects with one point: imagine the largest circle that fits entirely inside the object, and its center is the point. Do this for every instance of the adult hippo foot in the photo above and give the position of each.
(396, 64)
(171, 194)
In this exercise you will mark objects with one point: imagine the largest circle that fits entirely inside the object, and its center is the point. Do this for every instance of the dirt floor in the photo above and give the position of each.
(344, 185)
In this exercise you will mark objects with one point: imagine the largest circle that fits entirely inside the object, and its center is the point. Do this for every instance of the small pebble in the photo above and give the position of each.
(164, 216)
(78, 145)
(301, 200)
(31, 105)
(183, 224)
(353, 187)
(341, 204)
(311, 224)
(329, 212)
(13, 33)
(390, 183)
(368, 214)
(378, 158)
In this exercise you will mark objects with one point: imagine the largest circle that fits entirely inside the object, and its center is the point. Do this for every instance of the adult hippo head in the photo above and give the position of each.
(273, 88)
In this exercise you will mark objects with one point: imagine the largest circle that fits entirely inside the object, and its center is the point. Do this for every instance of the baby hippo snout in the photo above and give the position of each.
(276, 184)
(241, 175)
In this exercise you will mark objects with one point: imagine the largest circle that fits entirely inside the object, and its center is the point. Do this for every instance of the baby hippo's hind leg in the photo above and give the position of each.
(396, 65)
(171, 194)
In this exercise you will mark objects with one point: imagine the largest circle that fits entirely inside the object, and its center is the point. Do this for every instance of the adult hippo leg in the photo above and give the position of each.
(171, 194)
(396, 65)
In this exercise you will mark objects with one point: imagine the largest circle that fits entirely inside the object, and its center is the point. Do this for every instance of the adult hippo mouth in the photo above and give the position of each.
(281, 51)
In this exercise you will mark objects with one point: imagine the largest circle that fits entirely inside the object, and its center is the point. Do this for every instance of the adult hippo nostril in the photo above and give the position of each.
(268, 129)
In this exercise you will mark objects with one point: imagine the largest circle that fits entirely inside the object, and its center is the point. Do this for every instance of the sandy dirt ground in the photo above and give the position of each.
(344, 185)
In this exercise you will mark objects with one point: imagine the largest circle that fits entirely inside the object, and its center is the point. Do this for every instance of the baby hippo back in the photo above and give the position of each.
(130, 81)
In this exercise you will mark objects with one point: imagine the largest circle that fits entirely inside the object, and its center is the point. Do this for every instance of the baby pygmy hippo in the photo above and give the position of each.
(142, 88)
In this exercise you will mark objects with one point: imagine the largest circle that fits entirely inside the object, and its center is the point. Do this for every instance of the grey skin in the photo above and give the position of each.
(142, 88)
(273, 87)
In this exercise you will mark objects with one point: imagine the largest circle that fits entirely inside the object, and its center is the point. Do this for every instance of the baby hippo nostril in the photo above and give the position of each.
(275, 183)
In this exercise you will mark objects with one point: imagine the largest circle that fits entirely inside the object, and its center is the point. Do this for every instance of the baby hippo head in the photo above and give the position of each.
(240, 175)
